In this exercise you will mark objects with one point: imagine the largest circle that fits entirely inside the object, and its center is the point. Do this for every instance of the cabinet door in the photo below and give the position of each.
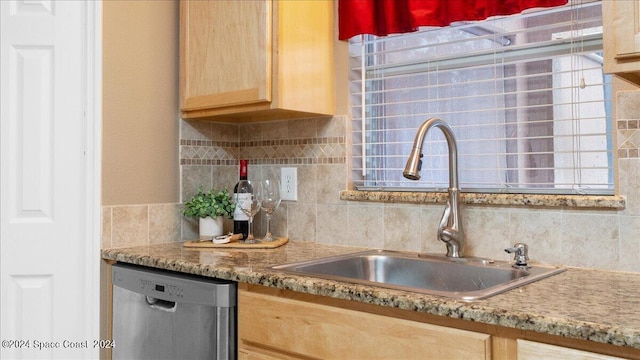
(529, 350)
(626, 17)
(305, 329)
(244, 354)
(226, 53)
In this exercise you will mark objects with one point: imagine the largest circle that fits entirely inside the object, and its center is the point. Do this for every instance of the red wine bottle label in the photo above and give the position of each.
(244, 201)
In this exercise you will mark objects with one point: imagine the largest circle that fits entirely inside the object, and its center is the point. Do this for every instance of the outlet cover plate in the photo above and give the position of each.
(289, 183)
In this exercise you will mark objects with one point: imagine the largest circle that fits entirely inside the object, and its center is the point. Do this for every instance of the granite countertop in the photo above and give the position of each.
(594, 305)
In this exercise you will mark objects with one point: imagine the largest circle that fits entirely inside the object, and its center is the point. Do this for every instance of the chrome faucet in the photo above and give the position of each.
(521, 255)
(450, 227)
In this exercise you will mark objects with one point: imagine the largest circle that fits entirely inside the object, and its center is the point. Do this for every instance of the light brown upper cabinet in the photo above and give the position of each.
(259, 60)
(621, 32)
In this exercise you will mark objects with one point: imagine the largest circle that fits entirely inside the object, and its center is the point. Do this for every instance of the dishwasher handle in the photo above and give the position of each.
(160, 304)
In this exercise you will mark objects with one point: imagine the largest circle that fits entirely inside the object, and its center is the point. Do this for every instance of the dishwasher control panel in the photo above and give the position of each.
(162, 288)
(174, 286)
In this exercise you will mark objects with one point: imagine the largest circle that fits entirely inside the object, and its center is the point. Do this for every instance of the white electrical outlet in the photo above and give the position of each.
(289, 184)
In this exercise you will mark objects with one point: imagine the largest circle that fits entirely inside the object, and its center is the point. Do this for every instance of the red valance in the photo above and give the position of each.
(384, 17)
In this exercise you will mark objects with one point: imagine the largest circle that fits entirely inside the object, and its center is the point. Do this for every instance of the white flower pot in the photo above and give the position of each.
(210, 227)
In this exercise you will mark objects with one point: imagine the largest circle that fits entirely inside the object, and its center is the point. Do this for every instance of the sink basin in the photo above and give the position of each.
(465, 278)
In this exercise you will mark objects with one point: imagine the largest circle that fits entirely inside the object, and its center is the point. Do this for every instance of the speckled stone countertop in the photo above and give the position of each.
(600, 306)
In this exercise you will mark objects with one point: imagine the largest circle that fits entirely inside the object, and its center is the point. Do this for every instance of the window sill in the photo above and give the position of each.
(566, 201)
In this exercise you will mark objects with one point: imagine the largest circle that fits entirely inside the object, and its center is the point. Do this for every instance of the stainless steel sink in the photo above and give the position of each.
(461, 278)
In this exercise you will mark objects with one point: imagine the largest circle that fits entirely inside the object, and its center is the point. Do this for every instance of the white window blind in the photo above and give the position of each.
(525, 95)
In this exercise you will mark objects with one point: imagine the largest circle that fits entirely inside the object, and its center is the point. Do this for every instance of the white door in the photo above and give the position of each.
(48, 255)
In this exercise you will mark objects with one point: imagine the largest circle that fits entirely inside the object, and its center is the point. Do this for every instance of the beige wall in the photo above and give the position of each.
(140, 102)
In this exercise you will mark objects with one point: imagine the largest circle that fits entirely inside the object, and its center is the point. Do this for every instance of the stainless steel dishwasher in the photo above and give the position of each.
(161, 314)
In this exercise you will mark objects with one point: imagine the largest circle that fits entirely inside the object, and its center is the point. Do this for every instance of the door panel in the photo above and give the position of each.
(46, 290)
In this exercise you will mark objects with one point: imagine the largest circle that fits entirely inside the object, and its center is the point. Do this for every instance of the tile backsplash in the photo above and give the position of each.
(209, 154)
(316, 147)
(132, 225)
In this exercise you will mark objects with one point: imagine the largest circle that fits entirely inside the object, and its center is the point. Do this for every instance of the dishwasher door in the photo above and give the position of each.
(166, 315)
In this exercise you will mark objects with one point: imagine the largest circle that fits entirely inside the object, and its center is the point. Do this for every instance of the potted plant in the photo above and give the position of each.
(210, 208)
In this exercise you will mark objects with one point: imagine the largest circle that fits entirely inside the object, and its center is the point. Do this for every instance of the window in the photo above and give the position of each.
(525, 95)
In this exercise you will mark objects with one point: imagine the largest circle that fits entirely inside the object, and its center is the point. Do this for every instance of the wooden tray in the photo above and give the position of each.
(237, 244)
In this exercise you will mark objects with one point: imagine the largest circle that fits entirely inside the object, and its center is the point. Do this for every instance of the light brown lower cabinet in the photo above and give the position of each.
(530, 350)
(280, 324)
(303, 329)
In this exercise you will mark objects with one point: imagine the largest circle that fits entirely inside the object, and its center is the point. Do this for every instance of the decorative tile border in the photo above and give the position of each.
(629, 138)
(208, 143)
(628, 153)
(323, 150)
(208, 162)
(628, 124)
(289, 142)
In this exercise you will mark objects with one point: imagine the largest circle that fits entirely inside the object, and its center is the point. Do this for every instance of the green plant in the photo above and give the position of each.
(211, 203)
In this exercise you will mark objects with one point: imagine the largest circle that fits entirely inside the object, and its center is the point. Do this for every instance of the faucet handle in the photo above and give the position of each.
(521, 255)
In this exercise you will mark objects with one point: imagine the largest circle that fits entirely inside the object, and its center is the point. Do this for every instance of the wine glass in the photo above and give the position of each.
(270, 202)
(247, 198)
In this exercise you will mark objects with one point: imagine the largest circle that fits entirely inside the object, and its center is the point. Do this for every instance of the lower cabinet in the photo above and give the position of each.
(530, 350)
(281, 324)
(271, 327)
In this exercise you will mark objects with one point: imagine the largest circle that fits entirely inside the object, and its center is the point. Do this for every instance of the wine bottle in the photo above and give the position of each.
(240, 219)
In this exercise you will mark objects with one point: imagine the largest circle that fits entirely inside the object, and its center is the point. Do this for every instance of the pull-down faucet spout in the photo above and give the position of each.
(450, 229)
